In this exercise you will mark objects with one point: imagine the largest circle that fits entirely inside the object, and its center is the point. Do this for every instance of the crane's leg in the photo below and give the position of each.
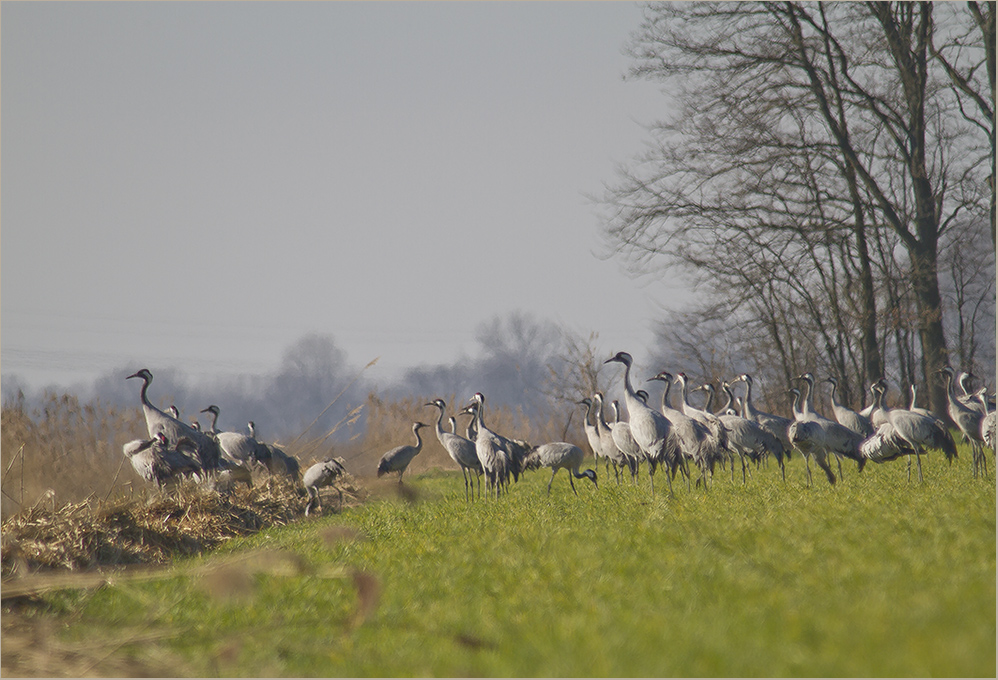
(838, 459)
(783, 469)
(807, 464)
(651, 474)
(918, 458)
(744, 469)
(550, 481)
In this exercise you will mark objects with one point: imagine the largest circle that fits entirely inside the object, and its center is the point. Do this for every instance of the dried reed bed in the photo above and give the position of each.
(65, 450)
(187, 520)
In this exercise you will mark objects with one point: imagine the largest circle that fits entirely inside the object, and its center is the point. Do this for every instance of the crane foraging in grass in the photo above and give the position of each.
(558, 455)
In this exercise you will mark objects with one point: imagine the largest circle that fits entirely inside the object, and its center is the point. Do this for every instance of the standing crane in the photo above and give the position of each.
(624, 441)
(322, 474)
(748, 437)
(558, 455)
(835, 438)
(398, 459)
(592, 434)
(235, 446)
(608, 447)
(988, 421)
(461, 450)
(903, 433)
(846, 416)
(207, 453)
(968, 420)
(650, 428)
(774, 424)
(489, 447)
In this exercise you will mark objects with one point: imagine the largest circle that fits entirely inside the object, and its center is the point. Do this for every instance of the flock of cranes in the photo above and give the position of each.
(676, 437)
(175, 450)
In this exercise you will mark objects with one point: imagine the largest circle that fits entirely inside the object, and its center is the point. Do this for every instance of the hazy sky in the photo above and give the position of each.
(197, 185)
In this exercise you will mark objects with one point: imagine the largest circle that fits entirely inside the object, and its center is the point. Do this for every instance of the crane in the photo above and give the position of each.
(608, 447)
(717, 437)
(846, 416)
(968, 420)
(988, 421)
(748, 437)
(207, 453)
(156, 463)
(489, 447)
(834, 437)
(592, 434)
(624, 441)
(903, 433)
(774, 424)
(320, 475)
(235, 446)
(650, 428)
(461, 450)
(558, 455)
(398, 459)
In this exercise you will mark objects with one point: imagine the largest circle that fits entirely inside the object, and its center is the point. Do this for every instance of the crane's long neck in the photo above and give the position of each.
(709, 402)
(914, 391)
(440, 422)
(835, 398)
(616, 411)
(143, 393)
(601, 424)
(798, 414)
(589, 413)
(665, 396)
(730, 396)
(419, 440)
(806, 404)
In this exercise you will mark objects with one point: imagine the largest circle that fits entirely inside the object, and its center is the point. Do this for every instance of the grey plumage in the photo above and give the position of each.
(398, 459)
(158, 464)
(968, 420)
(817, 436)
(320, 475)
(903, 433)
(235, 446)
(558, 455)
(489, 448)
(462, 451)
(774, 424)
(624, 440)
(649, 427)
(846, 416)
(608, 447)
(207, 452)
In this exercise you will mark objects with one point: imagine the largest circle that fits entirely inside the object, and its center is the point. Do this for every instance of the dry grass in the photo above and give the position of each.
(190, 520)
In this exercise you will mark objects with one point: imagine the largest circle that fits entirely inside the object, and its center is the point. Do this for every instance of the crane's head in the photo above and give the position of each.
(586, 401)
(417, 426)
(161, 439)
(806, 377)
(439, 403)
(663, 376)
(621, 358)
(640, 394)
(478, 398)
(142, 373)
(591, 474)
(213, 410)
(832, 380)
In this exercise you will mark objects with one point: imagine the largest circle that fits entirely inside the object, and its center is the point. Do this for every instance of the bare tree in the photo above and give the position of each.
(805, 137)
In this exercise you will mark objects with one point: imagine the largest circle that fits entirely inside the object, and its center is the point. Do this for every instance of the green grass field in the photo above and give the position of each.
(875, 577)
